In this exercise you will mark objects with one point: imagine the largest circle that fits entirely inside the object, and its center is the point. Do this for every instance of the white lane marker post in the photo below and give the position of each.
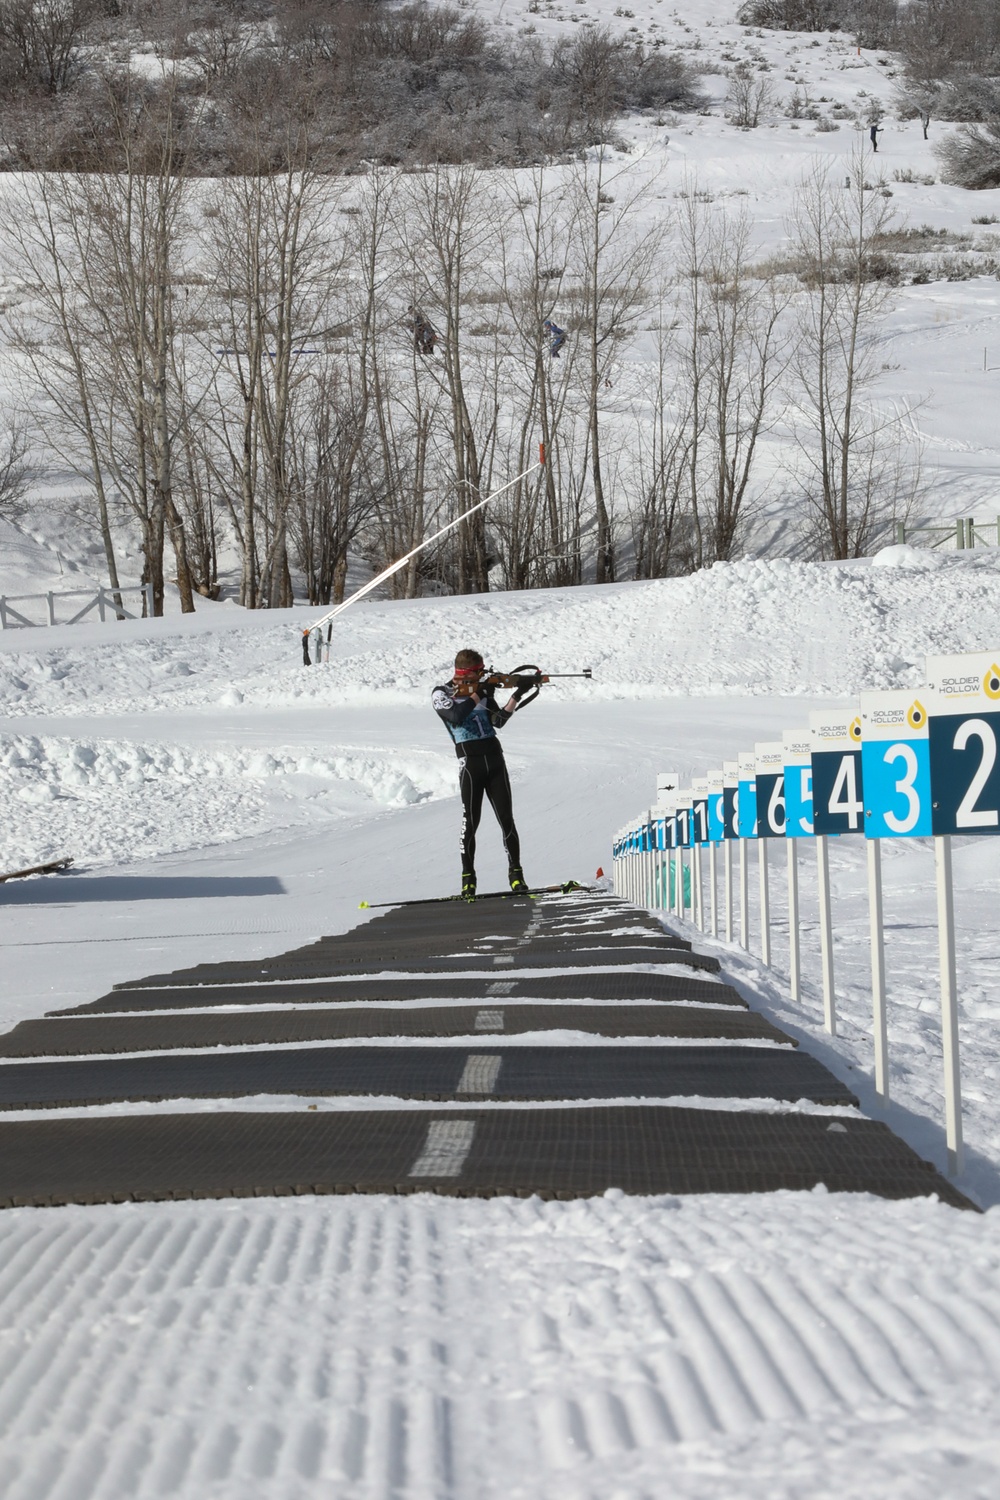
(765, 903)
(880, 1030)
(480, 1074)
(825, 933)
(727, 861)
(713, 880)
(794, 961)
(445, 1150)
(744, 898)
(949, 1004)
(697, 912)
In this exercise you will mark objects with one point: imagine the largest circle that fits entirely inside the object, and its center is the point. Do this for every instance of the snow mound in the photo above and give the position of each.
(111, 802)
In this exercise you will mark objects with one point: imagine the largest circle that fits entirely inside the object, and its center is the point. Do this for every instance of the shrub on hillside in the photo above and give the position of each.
(971, 157)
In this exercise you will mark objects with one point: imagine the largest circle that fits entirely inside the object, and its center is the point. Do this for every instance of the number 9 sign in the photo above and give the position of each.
(895, 764)
(964, 734)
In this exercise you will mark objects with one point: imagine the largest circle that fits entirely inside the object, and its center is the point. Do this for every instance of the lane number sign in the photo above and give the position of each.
(836, 771)
(798, 784)
(770, 778)
(716, 807)
(746, 809)
(731, 798)
(895, 764)
(964, 738)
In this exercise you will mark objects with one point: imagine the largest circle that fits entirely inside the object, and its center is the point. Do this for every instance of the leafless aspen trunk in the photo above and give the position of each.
(852, 447)
(616, 261)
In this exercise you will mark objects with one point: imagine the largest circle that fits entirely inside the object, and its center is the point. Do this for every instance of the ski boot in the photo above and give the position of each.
(518, 884)
(468, 888)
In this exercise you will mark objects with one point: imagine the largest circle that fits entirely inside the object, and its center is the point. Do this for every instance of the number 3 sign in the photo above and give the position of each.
(895, 764)
(964, 733)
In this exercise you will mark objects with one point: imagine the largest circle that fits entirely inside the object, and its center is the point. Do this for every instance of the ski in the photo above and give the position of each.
(538, 890)
(53, 867)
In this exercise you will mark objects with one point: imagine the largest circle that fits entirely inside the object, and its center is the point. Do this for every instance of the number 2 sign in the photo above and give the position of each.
(964, 736)
(895, 763)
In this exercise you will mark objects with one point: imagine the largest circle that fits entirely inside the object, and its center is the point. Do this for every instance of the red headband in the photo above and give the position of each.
(469, 671)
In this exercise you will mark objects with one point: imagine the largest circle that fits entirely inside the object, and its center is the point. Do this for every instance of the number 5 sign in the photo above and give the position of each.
(895, 764)
(964, 732)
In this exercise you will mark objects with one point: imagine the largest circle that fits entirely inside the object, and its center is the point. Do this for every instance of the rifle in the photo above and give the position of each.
(525, 680)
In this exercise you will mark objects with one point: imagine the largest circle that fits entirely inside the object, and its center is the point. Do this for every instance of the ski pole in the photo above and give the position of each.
(396, 566)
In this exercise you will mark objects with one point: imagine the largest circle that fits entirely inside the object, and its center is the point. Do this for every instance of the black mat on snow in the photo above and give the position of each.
(555, 1153)
(595, 985)
(526, 1072)
(75, 1038)
(285, 968)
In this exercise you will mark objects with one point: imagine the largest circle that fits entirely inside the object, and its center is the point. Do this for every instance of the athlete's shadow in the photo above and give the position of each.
(70, 890)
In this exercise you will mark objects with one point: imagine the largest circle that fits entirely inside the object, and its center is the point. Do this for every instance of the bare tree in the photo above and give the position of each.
(853, 447)
(616, 259)
(448, 223)
(15, 473)
(750, 94)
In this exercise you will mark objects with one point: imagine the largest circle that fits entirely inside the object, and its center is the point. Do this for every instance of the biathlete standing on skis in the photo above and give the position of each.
(472, 717)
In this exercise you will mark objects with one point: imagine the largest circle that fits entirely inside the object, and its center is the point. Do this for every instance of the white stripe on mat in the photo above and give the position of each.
(480, 1074)
(447, 1145)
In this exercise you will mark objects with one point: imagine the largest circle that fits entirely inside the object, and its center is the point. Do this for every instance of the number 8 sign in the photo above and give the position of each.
(964, 733)
(895, 764)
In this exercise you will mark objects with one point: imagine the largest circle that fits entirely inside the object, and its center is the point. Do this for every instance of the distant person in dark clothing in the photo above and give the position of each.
(557, 336)
(472, 716)
(424, 337)
(874, 130)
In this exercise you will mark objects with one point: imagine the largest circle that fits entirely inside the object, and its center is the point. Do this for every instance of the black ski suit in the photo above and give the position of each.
(473, 729)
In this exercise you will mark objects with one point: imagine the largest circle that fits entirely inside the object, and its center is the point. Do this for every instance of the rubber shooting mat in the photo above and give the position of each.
(555, 1153)
(512, 1073)
(598, 984)
(81, 1035)
(314, 966)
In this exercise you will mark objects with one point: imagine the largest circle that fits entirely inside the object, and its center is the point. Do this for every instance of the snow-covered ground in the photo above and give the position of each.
(222, 800)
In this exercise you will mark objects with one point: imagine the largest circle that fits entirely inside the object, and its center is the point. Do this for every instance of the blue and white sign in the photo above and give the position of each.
(964, 738)
(770, 778)
(798, 784)
(746, 820)
(731, 799)
(716, 807)
(699, 809)
(895, 764)
(685, 802)
(836, 771)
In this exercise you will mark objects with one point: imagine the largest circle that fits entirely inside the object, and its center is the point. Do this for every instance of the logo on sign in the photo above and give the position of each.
(916, 715)
(855, 731)
(991, 682)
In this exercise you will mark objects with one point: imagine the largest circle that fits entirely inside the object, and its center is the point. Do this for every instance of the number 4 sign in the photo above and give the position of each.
(963, 731)
(895, 763)
(836, 768)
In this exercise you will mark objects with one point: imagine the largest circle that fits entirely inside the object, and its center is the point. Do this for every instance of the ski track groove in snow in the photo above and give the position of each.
(387, 1347)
